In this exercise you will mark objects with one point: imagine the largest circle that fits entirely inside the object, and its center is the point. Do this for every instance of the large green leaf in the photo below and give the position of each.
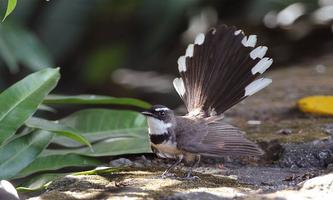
(111, 132)
(54, 162)
(22, 99)
(60, 129)
(94, 99)
(108, 147)
(11, 4)
(20, 152)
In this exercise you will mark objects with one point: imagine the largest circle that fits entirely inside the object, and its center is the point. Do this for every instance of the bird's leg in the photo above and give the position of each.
(189, 175)
(166, 172)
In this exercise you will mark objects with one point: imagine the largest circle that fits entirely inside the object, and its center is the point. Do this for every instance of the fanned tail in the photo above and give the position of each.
(221, 69)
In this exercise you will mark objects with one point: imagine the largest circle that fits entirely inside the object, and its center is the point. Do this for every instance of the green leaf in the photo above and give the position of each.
(95, 99)
(46, 108)
(24, 47)
(111, 132)
(10, 7)
(60, 129)
(8, 56)
(39, 182)
(20, 152)
(22, 99)
(101, 171)
(54, 162)
(109, 147)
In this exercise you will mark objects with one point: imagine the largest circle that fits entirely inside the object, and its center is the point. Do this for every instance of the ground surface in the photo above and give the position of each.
(298, 163)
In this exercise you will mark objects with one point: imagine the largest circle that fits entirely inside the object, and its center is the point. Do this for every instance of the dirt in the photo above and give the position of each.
(298, 162)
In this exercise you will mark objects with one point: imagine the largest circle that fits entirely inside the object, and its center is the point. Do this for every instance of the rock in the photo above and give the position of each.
(323, 184)
(254, 122)
(121, 162)
(8, 191)
(309, 155)
(273, 151)
(328, 128)
(194, 196)
(316, 188)
(141, 162)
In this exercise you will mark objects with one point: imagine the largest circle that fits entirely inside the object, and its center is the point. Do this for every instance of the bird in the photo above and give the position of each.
(219, 69)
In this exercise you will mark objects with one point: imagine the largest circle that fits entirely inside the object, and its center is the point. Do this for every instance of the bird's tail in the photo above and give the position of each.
(220, 69)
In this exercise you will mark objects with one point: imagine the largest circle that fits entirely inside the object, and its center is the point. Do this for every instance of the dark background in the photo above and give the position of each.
(129, 48)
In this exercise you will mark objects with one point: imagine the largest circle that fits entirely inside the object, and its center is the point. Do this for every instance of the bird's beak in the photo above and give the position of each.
(147, 113)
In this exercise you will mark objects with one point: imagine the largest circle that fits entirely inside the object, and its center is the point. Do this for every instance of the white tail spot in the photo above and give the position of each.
(178, 83)
(189, 50)
(249, 41)
(181, 64)
(256, 86)
(237, 32)
(258, 52)
(199, 39)
(262, 65)
(213, 31)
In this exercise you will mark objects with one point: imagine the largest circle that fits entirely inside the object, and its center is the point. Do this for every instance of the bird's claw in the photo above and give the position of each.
(167, 175)
(190, 178)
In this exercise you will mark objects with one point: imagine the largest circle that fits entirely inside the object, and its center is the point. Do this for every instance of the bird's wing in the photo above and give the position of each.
(220, 69)
(216, 138)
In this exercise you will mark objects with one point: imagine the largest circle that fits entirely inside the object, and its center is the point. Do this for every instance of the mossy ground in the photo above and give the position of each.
(301, 130)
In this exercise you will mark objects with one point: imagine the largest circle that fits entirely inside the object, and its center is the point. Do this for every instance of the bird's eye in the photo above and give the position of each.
(162, 113)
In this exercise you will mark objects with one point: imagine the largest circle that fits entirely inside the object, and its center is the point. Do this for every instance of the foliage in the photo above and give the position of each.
(27, 141)
(20, 46)
(11, 4)
(21, 100)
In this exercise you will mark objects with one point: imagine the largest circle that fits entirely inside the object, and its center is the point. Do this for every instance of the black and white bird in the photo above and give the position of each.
(220, 69)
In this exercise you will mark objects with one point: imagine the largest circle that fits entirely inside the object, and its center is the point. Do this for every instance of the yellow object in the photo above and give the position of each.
(319, 105)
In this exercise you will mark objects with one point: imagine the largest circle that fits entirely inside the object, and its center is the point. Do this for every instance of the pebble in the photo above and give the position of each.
(8, 191)
(254, 122)
(328, 128)
(284, 131)
(121, 162)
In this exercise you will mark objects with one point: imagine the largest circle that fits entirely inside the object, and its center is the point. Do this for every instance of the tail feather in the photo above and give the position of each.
(220, 69)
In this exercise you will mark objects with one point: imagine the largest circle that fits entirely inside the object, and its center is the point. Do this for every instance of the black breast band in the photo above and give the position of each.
(158, 139)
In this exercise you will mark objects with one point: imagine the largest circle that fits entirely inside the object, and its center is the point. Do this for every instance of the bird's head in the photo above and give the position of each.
(160, 118)
(161, 113)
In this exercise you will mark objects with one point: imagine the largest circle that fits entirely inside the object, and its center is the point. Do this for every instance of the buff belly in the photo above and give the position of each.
(167, 150)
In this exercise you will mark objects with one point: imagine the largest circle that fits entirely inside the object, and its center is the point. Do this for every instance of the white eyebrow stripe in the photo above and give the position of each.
(160, 109)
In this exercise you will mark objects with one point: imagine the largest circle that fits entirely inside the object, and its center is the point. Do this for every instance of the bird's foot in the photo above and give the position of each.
(190, 177)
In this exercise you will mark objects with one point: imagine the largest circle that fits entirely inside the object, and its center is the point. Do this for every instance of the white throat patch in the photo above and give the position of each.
(157, 127)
